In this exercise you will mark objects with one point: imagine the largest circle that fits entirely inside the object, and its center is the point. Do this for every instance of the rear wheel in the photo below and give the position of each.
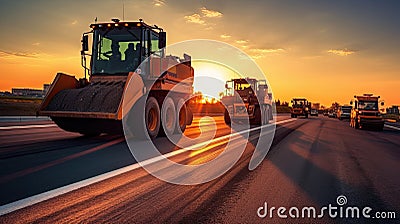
(270, 116)
(189, 116)
(152, 117)
(257, 116)
(168, 116)
(356, 124)
(227, 118)
(182, 116)
(266, 115)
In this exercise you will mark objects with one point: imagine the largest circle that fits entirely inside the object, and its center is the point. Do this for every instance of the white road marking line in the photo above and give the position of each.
(23, 203)
(28, 126)
(393, 127)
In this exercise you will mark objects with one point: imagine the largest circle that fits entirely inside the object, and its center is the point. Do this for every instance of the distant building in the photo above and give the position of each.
(46, 88)
(393, 110)
(27, 92)
(31, 92)
(6, 93)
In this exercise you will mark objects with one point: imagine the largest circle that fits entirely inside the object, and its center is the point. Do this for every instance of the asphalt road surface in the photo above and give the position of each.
(51, 176)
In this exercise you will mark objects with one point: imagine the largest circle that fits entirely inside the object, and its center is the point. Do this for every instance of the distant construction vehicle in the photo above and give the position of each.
(314, 109)
(94, 106)
(344, 112)
(247, 98)
(300, 107)
(365, 112)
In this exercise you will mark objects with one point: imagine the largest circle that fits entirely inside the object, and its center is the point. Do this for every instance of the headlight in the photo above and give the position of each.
(306, 108)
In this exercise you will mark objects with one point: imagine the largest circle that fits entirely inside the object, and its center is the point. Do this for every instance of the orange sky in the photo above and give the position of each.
(324, 51)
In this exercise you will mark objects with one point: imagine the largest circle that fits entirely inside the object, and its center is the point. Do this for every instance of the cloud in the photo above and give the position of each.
(210, 13)
(159, 3)
(195, 18)
(225, 36)
(257, 53)
(200, 18)
(242, 41)
(74, 22)
(266, 51)
(36, 44)
(341, 52)
(252, 50)
(18, 54)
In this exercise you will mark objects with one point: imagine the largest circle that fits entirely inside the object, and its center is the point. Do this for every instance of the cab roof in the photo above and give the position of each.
(243, 80)
(367, 97)
(115, 23)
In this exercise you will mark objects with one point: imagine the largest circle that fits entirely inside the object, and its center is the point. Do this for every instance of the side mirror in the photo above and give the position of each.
(382, 104)
(85, 43)
(162, 40)
(351, 102)
(226, 86)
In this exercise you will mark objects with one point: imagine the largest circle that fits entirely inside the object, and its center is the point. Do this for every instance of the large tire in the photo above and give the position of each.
(257, 116)
(265, 116)
(182, 116)
(227, 118)
(168, 116)
(189, 118)
(271, 116)
(356, 124)
(152, 117)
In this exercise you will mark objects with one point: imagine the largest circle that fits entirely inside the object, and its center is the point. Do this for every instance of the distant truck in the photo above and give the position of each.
(365, 112)
(314, 109)
(300, 107)
(331, 113)
(247, 98)
(344, 112)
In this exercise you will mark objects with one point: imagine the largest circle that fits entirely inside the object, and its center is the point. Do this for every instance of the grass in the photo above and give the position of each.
(19, 106)
(282, 109)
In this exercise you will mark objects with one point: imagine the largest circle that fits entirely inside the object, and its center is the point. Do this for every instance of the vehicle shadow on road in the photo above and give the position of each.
(22, 149)
(321, 186)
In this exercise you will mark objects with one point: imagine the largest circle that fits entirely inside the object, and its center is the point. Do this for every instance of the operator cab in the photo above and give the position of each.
(299, 103)
(245, 87)
(367, 102)
(119, 47)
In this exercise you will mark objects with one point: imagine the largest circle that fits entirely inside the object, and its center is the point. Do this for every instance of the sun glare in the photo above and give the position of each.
(210, 79)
